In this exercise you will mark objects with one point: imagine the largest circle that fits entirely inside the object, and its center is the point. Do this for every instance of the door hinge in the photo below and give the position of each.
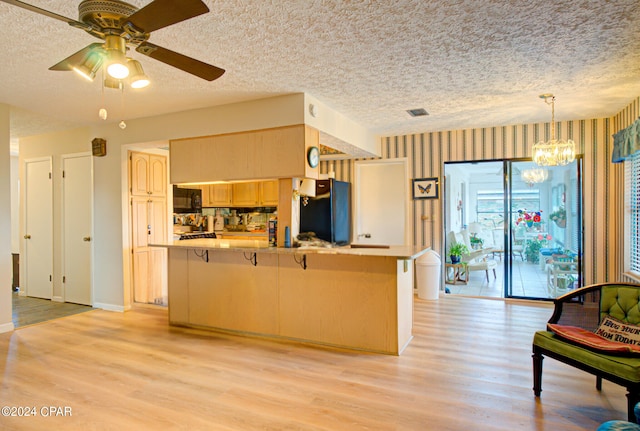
(49, 175)
(62, 174)
(64, 278)
(50, 278)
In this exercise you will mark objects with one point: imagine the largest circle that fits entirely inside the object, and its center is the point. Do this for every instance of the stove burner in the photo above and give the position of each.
(197, 235)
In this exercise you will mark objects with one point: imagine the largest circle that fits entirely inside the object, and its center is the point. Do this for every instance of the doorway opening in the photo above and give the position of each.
(521, 226)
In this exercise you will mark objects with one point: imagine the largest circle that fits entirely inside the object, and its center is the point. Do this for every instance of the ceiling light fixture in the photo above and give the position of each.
(555, 152)
(89, 66)
(138, 78)
(116, 58)
(534, 176)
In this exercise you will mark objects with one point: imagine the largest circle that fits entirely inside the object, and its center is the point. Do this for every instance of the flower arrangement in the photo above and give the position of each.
(529, 217)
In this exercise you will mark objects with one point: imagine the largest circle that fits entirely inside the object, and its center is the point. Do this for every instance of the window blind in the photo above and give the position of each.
(632, 180)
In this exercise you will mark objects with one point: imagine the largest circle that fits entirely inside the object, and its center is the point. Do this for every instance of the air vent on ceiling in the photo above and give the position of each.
(419, 112)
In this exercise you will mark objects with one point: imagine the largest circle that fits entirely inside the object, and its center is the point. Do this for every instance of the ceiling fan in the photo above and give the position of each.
(122, 26)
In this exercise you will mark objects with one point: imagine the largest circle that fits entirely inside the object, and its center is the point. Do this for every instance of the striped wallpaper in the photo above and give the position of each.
(602, 180)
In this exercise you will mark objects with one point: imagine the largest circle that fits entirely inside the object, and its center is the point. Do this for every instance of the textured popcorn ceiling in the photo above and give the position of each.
(469, 63)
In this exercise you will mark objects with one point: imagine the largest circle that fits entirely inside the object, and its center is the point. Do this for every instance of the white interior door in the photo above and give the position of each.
(38, 228)
(380, 202)
(77, 228)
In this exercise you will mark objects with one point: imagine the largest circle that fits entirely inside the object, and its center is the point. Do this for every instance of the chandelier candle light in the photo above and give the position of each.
(555, 152)
(532, 176)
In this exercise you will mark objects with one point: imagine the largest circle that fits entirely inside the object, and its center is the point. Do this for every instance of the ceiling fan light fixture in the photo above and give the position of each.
(115, 47)
(110, 82)
(116, 66)
(89, 67)
(138, 78)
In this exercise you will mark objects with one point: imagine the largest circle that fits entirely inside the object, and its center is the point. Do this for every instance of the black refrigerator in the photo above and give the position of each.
(328, 214)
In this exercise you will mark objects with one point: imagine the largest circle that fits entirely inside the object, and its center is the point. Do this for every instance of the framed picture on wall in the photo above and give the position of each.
(425, 188)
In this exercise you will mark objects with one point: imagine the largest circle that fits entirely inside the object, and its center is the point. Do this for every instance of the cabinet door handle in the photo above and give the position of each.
(86, 238)
(27, 236)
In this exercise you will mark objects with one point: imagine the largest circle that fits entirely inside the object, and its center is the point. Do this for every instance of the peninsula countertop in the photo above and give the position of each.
(261, 246)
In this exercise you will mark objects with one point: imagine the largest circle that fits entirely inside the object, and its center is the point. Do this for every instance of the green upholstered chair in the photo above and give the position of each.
(585, 308)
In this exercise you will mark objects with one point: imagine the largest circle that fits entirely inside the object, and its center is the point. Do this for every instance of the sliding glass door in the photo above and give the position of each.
(522, 225)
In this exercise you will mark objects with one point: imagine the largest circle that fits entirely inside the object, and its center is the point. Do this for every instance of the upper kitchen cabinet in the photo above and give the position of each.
(245, 194)
(216, 195)
(260, 154)
(269, 193)
(148, 174)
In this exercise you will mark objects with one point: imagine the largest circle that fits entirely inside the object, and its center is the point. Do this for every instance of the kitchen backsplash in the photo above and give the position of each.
(234, 218)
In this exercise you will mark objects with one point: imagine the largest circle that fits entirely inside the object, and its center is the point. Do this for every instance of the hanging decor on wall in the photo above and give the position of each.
(425, 188)
(555, 152)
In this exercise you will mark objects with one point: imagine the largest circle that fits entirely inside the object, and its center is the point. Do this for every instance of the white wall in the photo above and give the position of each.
(6, 323)
(15, 205)
(333, 123)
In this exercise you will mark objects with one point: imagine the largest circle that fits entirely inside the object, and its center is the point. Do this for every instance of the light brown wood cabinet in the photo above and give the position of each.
(148, 187)
(149, 225)
(269, 193)
(259, 154)
(216, 195)
(148, 174)
(245, 194)
(257, 193)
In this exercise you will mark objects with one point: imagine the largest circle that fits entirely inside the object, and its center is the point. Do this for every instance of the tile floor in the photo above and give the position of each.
(529, 281)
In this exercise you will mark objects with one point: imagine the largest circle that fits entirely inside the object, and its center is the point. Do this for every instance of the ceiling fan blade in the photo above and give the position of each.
(163, 13)
(182, 62)
(44, 12)
(75, 59)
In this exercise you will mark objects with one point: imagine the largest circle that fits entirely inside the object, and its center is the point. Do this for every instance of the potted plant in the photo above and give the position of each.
(457, 250)
(476, 242)
(559, 217)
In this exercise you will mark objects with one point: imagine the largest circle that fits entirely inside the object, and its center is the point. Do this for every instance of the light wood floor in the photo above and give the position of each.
(468, 368)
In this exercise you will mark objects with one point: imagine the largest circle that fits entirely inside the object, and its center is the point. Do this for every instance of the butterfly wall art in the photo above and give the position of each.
(425, 188)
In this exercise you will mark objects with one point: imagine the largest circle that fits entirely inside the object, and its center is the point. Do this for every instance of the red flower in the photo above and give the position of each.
(536, 218)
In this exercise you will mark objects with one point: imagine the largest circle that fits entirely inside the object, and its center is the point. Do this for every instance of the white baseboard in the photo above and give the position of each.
(111, 307)
(7, 327)
(57, 299)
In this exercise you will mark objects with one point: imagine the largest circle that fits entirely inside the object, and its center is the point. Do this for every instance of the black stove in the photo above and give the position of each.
(197, 235)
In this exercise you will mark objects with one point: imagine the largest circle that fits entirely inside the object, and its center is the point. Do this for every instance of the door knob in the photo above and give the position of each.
(27, 236)
(86, 238)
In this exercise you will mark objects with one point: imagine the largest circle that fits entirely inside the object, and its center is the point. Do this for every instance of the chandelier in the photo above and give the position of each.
(555, 152)
(534, 176)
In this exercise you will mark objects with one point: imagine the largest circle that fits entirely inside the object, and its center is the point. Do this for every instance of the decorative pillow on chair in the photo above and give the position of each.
(616, 330)
(608, 338)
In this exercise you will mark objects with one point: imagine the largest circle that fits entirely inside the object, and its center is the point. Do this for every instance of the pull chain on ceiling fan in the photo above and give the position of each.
(123, 26)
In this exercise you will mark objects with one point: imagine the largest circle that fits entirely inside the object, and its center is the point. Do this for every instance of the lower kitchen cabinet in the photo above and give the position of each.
(243, 298)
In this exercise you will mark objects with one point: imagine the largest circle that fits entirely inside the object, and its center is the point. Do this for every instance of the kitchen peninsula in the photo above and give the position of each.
(355, 298)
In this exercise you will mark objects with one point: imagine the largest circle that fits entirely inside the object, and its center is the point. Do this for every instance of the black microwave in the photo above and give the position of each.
(187, 200)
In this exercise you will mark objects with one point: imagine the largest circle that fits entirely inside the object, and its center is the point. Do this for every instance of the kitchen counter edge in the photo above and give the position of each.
(399, 252)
